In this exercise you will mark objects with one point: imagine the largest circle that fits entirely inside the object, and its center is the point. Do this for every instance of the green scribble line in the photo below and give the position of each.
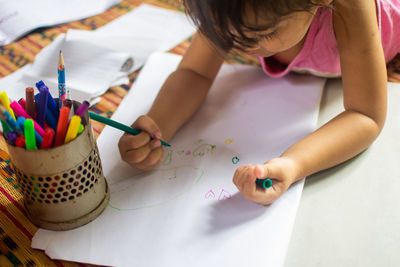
(163, 202)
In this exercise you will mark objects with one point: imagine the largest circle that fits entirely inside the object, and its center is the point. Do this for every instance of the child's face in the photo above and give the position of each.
(289, 32)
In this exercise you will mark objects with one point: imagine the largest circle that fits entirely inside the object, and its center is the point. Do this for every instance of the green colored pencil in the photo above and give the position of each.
(118, 125)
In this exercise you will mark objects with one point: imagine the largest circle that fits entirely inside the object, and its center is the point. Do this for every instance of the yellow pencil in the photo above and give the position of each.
(6, 103)
(73, 127)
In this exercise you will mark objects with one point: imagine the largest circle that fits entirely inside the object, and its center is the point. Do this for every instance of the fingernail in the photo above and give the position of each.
(157, 134)
(259, 171)
(155, 143)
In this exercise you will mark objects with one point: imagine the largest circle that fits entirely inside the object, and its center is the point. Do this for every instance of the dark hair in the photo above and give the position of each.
(223, 21)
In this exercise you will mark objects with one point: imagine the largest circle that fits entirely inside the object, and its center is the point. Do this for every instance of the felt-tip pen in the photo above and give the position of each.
(264, 183)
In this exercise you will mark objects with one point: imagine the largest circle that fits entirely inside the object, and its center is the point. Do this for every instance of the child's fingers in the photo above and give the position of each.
(154, 159)
(134, 156)
(145, 123)
(245, 182)
(128, 141)
(240, 175)
(260, 171)
(155, 143)
(269, 171)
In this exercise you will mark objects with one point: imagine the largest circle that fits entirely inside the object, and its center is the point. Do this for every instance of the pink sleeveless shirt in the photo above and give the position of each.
(320, 56)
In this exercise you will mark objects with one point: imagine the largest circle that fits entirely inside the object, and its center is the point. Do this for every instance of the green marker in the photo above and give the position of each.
(29, 133)
(118, 125)
(6, 127)
(81, 128)
(264, 183)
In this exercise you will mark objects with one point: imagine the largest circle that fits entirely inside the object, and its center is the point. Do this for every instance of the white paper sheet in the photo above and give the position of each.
(89, 69)
(94, 59)
(144, 30)
(188, 212)
(19, 17)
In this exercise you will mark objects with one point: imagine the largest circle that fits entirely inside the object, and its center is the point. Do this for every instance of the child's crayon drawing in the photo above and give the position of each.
(228, 141)
(235, 160)
(154, 188)
(151, 189)
(210, 194)
(200, 149)
(224, 195)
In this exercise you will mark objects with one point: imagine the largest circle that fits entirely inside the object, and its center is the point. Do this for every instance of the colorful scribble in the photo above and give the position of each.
(168, 158)
(173, 177)
(224, 195)
(148, 190)
(200, 149)
(235, 160)
(203, 149)
(210, 194)
(228, 141)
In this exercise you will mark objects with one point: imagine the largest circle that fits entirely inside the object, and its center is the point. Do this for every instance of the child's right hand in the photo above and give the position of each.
(142, 151)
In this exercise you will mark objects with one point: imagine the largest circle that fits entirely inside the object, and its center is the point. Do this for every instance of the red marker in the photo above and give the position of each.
(20, 142)
(47, 138)
(22, 102)
(62, 126)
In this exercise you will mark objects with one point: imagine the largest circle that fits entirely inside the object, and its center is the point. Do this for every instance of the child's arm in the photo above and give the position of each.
(364, 84)
(179, 98)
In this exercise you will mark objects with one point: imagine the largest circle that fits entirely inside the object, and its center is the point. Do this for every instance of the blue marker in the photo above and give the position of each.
(51, 103)
(50, 119)
(42, 105)
(10, 121)
(20, 123)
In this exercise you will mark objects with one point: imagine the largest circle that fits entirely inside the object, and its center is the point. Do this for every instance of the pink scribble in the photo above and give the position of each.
(210, 194)
(224, 195)
(188, 153)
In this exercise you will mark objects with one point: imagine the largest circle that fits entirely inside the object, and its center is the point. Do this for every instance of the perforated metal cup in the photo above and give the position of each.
(64, 186)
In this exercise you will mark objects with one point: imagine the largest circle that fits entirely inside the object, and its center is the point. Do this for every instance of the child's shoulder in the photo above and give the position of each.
(359, 20)
(354, 18)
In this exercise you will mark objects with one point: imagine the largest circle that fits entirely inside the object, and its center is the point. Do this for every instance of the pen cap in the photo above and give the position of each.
(64, 186)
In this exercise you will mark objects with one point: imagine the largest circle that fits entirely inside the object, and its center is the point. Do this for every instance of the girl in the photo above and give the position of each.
(348, 38)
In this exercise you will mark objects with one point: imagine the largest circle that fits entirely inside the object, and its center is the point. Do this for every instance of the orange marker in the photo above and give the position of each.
(62, 126)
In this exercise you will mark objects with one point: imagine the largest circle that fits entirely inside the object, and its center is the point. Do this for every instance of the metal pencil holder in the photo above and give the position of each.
(63, 186)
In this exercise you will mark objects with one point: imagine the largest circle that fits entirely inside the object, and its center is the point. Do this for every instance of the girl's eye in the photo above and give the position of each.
(270, 35)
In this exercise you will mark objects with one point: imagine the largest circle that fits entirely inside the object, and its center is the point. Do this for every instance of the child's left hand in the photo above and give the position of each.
(282, 172)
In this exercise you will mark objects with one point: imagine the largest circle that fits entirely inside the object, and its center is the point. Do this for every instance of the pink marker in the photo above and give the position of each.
(20, 112)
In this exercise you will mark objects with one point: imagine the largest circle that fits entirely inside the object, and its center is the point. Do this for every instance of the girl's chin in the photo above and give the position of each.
(264, 54)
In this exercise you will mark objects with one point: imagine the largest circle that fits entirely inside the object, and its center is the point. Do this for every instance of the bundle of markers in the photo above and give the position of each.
(37, 122)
